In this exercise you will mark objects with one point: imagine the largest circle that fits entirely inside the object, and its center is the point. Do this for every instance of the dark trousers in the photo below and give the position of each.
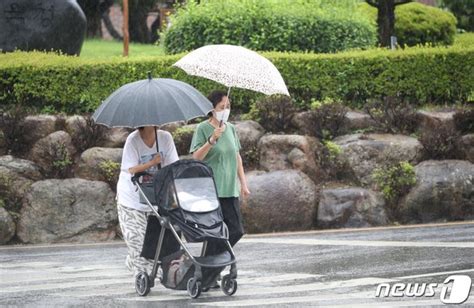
(233, 219)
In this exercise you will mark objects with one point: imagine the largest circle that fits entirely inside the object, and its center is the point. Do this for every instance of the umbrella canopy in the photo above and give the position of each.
(152, 102)
(234, 66)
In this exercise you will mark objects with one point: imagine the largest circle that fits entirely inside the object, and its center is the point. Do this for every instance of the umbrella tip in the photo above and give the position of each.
(149, 75)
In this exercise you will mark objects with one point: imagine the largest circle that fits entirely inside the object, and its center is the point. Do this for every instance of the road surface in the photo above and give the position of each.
(339, 268)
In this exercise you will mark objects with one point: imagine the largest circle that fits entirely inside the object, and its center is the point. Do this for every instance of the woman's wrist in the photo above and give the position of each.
(211, 141)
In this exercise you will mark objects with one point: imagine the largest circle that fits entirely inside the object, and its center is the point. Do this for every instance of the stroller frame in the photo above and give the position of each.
(143, 281)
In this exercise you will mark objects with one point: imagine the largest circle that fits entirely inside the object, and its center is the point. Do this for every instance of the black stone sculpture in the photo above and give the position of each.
(58, 25)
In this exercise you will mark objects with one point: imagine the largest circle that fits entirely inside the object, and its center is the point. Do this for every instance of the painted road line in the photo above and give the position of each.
(159, 288)
(315, 242)
(436, 274)
(246, 282)
(395, 304)
(35, 265)
(315, 299)
(61, 283)
(30, 279)
(66, 285)
(258, 291)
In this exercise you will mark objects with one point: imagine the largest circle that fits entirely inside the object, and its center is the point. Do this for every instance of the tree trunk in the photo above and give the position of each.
(138, 27)
(94, 25)
(93, 9)
(110, 26)
(386, 21)
(155, 26)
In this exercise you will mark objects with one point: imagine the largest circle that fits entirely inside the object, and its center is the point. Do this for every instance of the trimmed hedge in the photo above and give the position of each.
(417, 23)
(271, 25)
(73, 85)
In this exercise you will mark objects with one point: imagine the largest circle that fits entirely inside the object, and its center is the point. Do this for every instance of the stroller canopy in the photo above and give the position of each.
(186, 191)
(193, 183)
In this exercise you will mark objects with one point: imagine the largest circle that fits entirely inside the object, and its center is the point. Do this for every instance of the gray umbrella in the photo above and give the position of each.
(152, 102)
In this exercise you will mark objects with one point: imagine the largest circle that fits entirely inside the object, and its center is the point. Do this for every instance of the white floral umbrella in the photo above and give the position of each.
(234, 66)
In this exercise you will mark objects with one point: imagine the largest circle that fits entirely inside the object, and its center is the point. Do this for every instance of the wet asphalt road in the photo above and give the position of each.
(340, 268)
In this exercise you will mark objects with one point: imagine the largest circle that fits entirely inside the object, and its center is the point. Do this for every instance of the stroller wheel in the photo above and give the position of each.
(142, 284)
(194, 288)
(228, 285)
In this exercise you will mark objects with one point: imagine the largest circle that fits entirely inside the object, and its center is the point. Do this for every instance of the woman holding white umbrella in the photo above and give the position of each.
(215, 141)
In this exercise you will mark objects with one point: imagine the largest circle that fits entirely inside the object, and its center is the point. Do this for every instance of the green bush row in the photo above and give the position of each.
(69, 84)
(271, 25)
(417, 23)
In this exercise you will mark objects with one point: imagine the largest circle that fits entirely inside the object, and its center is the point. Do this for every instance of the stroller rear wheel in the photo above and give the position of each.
(142, 284)
(228, 285)
(194, 288)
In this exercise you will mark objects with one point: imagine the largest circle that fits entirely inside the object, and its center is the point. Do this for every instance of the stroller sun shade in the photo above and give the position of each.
(196, 194)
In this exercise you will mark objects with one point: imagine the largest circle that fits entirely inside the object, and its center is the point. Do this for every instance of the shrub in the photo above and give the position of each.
(87, 134)
(182, 139)
(61, 161)
(464, 12)
(334, 166)
(464, 40)
(441, 141)
(274, 113)
(464, 121)
(394, 181)
(275, 25)
(12, 126)
(110, 171)
(416, 23)
(393, 115)
(10, 200)
(74, 85)
(327, 118)
(250, 157)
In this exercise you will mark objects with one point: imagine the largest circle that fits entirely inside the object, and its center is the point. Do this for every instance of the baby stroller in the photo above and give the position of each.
(183, 197)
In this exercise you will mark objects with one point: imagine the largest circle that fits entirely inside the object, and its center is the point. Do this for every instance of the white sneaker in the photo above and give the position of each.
(159, 274)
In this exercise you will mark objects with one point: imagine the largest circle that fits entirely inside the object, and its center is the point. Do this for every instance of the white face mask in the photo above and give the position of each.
(223, 115)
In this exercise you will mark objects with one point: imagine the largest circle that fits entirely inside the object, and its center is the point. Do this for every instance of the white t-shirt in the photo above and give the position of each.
(136, 152)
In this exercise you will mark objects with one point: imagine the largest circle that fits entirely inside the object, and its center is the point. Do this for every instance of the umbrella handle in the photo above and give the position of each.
(228, 96)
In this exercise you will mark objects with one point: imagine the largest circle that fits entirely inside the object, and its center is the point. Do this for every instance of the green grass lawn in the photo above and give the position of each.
(100, 49)
(97, 49)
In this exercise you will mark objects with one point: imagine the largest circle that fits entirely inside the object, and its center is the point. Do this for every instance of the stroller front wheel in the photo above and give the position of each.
(228, 285)
(142, 284)
(194, 288)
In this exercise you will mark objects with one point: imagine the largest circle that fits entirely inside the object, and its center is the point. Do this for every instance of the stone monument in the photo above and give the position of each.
(58, 25)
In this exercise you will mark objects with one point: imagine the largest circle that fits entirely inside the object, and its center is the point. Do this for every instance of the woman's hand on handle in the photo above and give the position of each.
(217, 133)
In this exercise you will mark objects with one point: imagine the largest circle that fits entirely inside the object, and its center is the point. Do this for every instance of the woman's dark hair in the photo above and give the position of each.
(216, 96)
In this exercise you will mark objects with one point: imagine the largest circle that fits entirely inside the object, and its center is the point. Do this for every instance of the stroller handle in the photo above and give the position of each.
(138, 175)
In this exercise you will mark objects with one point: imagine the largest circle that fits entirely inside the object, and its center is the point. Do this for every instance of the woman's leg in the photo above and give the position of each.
(233, 219)
(133, 225)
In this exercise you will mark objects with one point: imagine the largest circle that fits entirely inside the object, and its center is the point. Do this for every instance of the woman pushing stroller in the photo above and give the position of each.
(140, 154)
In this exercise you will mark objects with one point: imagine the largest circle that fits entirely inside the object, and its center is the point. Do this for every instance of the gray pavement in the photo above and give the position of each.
(340, 268)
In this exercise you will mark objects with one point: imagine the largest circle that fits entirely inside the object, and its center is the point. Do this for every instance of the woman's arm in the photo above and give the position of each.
(201, 153)
(142, 167)
(243, 180)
